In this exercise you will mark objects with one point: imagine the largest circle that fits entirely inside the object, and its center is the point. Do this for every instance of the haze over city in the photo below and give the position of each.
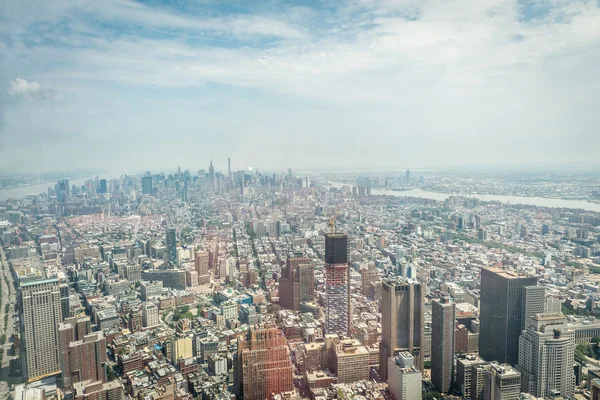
(129, 86)
(299, 200)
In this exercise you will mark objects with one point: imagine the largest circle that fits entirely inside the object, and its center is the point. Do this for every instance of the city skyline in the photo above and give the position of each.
(252, 284)
(346, 84)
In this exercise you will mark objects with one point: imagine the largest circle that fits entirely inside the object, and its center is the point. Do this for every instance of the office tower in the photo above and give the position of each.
(338, 315)
(82, 359)
(147, 185)
(41, 315)
(297, 283)
(545, 229)
(546, 356)
(171, 242)
(184, 193)
(442, 343)
(263, 365)
(482, 235)
(211, 174)
(466, 374)
(62, 191)
(103, 187)
(534, 302)
(150, 316)
(408, 176)
(502, 382)
(202, 268)
(65, 310)
(501, 313)
(404, 380)
(402, 321)
(229, 170)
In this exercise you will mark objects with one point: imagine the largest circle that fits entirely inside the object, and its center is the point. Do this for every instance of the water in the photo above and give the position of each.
(534, 201)
(19, 193)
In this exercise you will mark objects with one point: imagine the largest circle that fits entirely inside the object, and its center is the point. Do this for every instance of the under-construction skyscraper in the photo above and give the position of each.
(263, 365)
(338, 318)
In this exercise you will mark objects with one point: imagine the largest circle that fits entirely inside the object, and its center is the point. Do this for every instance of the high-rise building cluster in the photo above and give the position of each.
(235, 283)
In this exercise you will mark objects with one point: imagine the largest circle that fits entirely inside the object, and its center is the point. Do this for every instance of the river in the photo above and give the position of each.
(533, 201)
(19, 193)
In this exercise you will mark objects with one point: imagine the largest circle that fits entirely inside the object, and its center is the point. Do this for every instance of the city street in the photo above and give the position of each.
(11, 299)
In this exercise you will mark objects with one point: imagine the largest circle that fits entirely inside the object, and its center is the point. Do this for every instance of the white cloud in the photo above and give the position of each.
(22, 88)
(437, 75)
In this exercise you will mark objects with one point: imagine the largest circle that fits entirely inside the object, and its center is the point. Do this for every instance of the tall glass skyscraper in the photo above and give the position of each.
(171, 242)
(501, 313)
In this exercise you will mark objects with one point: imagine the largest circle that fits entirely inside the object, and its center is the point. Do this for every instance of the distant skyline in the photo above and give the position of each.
(122, 85)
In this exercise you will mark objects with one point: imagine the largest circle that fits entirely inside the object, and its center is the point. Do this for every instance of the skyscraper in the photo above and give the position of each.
(297, 283)
(546, 356)
(201, 266)
(64, 300)
(171, 242)
(147, 184)
(229, 170)
(338, 314)
(83, 359)
(402, 321)
(103, 186)
(442, 343)
(184, 192)
(40, 318)
(211, 174)
(534, 302)
(62, 191)
(263, 365)
(501, 313)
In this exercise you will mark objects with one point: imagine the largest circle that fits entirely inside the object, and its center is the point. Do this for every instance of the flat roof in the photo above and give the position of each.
(39, 282)
(508, 274)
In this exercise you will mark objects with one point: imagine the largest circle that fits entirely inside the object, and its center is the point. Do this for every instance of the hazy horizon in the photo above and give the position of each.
(122, 85)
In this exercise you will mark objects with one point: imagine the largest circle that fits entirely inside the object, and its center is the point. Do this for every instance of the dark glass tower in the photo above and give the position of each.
(172, 245)
(147, 185)
(501, 313)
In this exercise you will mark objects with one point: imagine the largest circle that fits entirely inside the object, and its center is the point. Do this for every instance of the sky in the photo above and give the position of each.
(129, 85)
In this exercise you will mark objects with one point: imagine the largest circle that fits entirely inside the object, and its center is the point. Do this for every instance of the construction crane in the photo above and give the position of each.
(332, 220)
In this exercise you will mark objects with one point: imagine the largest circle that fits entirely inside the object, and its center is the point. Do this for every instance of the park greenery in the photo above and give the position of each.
(182, 313)
(587, 350)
